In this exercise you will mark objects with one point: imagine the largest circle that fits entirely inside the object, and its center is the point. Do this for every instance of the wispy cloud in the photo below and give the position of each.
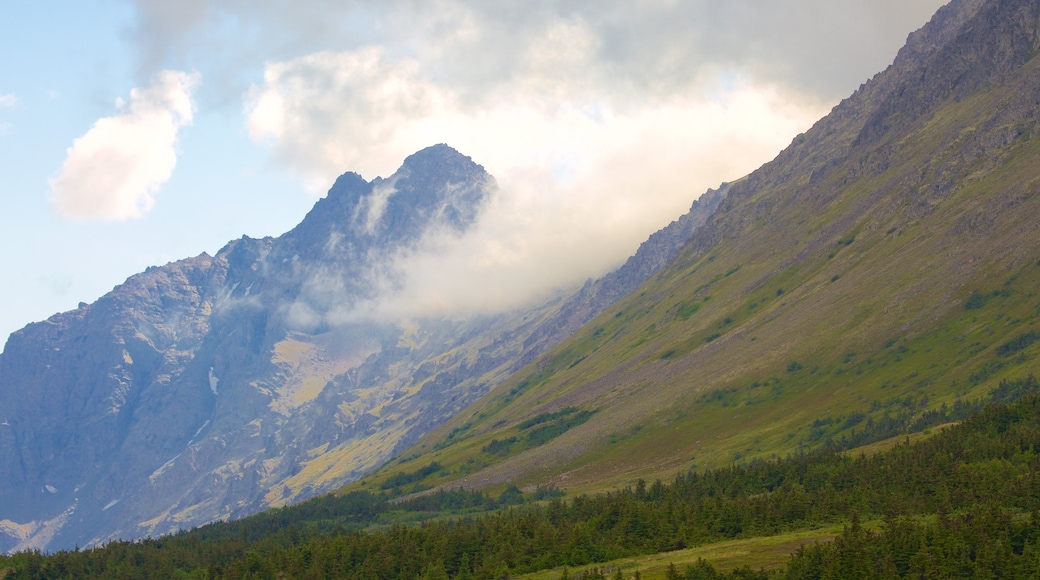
(8, 101)
(114, 170)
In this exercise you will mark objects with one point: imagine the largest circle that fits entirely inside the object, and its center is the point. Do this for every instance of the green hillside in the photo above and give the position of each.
(977, 480)
(835, 378)
(874, 271)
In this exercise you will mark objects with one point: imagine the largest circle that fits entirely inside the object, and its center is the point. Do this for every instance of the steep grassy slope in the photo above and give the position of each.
(885, 264)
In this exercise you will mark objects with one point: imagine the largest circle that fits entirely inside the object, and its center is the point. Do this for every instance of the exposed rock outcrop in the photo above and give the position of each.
(217, 386)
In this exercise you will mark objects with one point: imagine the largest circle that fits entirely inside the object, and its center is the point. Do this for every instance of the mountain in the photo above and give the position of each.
(883, 266)
(876, 280)
(598, 295)
(217, 386)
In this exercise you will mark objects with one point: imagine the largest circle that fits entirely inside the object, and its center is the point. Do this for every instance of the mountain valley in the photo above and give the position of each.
(811, 337)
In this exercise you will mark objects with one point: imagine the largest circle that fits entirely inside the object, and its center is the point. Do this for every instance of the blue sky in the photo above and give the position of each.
(137, 133)
(66, 63)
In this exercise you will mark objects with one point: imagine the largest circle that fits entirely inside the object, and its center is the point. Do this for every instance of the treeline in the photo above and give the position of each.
(539, 430)
(985, 542)
(986, 467)
(910, 416)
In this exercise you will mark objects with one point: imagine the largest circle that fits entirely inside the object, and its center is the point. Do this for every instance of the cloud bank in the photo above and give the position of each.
(648, 46)
(585, 177)
(113, 171)
(601, 121)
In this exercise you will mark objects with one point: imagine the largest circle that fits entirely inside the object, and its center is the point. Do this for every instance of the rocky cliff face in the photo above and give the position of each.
(216, 386)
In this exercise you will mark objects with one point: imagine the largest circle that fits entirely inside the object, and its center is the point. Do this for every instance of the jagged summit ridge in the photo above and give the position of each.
(217, 386)
(184, 390)
(435, 188)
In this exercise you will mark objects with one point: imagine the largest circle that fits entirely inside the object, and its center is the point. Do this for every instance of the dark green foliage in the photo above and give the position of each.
(1020, 342)
(794, 366)
(904, 415)
(549, 431)
(687, 309)
(499, 448)
(985, 470)
(984, 542)
(401, 478)
(977, 299)
(511, 496)
(724, 395)
(985, 371)
(1011, 391)
(458, 500)
(703, 570)
(459, 430)
(546, 417)
(539, 430)
(546, 492)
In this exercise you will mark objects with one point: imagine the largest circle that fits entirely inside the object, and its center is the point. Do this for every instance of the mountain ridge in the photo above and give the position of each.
(217, 386)
(188, 358)
(829, 283)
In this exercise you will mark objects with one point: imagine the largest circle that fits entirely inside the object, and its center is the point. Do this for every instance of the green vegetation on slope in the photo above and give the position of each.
(983, 475)
(818, 304)
(841, 390)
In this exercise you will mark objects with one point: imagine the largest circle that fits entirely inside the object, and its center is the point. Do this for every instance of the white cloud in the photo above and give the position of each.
(581, 206)
(583, 180)
(645, 46)
(114, 170)
(324, 112)
(601, 120)
(8, 101)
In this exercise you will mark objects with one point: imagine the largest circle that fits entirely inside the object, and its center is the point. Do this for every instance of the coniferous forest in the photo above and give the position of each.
(963, 503)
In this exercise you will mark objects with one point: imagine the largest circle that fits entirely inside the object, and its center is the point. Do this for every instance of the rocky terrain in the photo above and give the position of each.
(217, 386)
(879, 273)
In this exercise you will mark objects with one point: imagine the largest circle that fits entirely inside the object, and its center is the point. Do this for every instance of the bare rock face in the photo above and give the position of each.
(177, 398)
(217, 386)
(80, 392)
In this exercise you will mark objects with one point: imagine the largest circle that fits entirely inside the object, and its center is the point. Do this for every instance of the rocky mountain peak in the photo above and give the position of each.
(461, 188)
(435, 189)
(200, 389)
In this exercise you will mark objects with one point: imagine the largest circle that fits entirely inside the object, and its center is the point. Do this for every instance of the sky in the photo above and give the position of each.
(135, 133)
